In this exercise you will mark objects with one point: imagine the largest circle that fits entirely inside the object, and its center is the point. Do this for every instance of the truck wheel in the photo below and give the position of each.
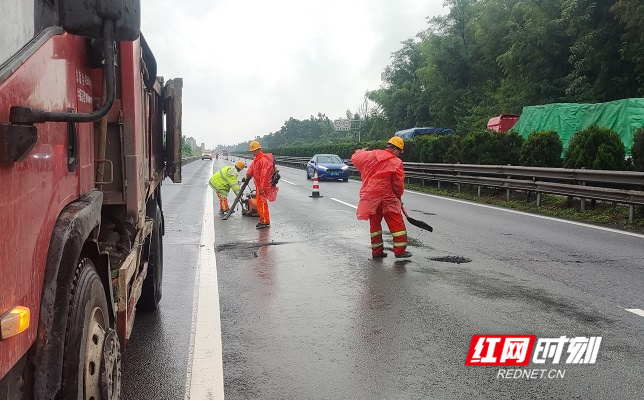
(92, 356)
(153, 252)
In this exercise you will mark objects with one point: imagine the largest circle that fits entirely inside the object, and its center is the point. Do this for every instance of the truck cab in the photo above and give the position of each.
(83, 155)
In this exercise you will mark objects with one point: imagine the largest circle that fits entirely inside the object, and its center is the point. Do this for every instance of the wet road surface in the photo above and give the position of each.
(306, 313)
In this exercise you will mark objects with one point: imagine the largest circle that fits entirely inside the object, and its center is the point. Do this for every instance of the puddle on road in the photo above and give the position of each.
(452, 259)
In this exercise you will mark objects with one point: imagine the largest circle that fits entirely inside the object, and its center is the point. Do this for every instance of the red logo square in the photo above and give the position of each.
(500, 350)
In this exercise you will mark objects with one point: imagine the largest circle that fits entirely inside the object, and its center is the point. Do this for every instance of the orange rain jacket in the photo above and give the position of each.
(383, 182)
(261, 170)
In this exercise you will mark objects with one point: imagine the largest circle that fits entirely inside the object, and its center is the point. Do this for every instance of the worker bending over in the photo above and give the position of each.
(261, 170)
(223, 181)
(383, 184)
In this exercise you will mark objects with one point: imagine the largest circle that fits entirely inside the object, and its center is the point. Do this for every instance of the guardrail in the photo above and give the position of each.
(617, 186)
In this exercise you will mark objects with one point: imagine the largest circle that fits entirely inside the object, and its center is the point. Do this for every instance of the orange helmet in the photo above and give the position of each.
(240, 165)
(254, 145)
(397, 142)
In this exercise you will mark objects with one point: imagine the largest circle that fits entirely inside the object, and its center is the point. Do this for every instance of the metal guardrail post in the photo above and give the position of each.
(583, 199)
(631, 213)
(507, 191)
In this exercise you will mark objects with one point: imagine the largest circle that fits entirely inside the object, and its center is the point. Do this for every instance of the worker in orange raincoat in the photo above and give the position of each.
(383, 184)
(261, 170)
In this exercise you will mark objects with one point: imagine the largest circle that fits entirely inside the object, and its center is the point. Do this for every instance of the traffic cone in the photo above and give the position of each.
(316, 187)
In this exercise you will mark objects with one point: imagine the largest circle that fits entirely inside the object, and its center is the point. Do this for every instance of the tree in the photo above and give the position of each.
(400, 97)
(599, 70)
(536, 64)
(186, 150)
(631, 14)
(542, 149)
(595, 148)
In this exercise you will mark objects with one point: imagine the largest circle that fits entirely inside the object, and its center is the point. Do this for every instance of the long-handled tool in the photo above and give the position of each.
(420, 224)
(239, 195)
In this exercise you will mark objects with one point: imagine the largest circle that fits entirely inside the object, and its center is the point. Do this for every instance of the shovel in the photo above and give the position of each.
(239, 195)
(415, 222)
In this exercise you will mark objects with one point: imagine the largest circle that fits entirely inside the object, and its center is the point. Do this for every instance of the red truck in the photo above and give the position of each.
(503, 122)
(88, 133)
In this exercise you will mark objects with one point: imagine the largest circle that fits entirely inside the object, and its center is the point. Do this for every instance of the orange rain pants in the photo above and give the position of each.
(396, 226)
(262, 209)
(223, 202)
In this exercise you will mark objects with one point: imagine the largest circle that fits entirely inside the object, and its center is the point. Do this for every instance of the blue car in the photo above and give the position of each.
(328, 166)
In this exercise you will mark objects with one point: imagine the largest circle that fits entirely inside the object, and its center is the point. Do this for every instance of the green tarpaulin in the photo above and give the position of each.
(623, 116)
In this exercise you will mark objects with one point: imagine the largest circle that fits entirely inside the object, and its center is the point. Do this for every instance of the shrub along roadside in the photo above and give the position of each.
(595, 148)
(542, 149)
(592, 148)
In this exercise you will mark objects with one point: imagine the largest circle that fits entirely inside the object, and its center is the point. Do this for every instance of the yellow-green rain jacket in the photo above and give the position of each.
(224, 180)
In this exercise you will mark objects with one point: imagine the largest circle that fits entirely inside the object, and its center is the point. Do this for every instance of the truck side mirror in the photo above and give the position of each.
(85, 17)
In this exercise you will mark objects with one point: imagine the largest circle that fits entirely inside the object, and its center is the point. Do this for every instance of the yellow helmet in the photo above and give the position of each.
(254, 145)
(240, 165)
(398, 142)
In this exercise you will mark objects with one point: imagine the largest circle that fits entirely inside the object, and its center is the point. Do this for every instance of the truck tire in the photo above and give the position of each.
(153, 253)
(92, 357)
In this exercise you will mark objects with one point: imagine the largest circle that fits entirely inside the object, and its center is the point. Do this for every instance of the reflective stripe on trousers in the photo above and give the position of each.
(223, 202)
(396, 226)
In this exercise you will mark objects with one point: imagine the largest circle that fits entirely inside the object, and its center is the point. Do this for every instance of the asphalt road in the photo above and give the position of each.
(306, 313)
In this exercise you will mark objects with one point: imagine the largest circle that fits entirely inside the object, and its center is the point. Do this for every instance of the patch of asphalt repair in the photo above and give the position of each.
(246, 249)
(452, 259)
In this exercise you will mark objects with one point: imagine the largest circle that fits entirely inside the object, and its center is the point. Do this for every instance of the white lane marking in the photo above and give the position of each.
(346, 204)
(205, 378)
(601, 228)
(636, 311)
(290, 183)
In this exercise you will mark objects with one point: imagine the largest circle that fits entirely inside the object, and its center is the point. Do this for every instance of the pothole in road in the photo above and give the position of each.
(245, 249)
(452, 259)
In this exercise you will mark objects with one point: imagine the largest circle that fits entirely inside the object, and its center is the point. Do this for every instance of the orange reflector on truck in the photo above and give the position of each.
(14, 322)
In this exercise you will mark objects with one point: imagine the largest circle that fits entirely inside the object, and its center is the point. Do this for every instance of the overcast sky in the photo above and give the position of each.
(247, 66)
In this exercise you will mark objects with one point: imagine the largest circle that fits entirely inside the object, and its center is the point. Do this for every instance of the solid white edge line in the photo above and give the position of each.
(636, 311)
(601, 228)
(290, 183)
(205, 378)
(346, 204)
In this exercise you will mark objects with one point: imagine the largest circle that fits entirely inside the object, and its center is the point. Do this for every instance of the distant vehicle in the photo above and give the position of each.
(503, 122)
(328, 166)
(414, 132)
(206, 155)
